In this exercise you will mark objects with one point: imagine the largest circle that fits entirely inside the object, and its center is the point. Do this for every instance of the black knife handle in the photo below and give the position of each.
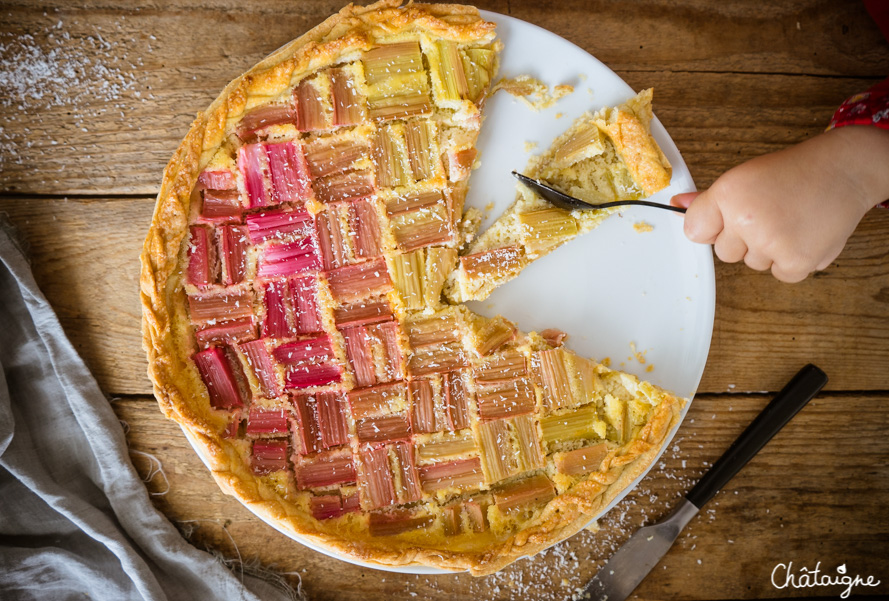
(793, 397)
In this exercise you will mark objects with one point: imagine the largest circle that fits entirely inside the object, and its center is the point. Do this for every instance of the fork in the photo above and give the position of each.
(569, 203)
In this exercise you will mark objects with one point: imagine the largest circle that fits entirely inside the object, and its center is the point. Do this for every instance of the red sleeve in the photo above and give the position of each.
(867, 108)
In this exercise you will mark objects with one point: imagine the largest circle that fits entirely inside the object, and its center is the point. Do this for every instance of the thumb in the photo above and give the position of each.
(703, 220)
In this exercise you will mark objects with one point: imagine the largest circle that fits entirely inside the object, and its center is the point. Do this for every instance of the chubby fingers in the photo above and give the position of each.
(703, 220)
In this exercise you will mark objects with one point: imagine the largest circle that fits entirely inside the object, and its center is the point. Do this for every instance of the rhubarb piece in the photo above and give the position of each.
(407, 272)
(348, 103)
(278, 224)
(326, 507)
(524, 494)
(375, 478)
(327, 158)
(269, 455)
(231, 303)
(433, 331)
(545, 228)
(554, 377)
(392, 60)
(383, 399)
(476, 515)
(201, 261)
(217, 375)
(351, 503)
(306, 434)
(423, 227)
(365, 229)
(360, 356)
(352, 185)
(304, 300)
(362, 313)
(506, 366)
(421, 153)
(456, 401)
(254, 166)
(436, 359)
(222, 179)
(390, 157)
(617, 412)
(590, 384)
(362, 280)
(498, 455)
(450, 516)
(308, 376)
(446, 446)
(554, 337)
(439, 263)
(333, 468)
(581, 461)
(289, 173)
(331, 415)
(262, 117)
(228, 332)
(495, 262)
(408, 484)
(385, 339)
(450, 70)
(423, 399)
(220, 206)
(383, 429)
(260, 362)
(332, 239)
(233, 429)
(415, 201)
(288, 258)
(311, 111)
(464, 475)
(478, 66)
(277, 322)
(495, 333)
(398, 86)
(503, 399)
(233, 245)
(261, 420)
(397, 522)
(527, 443)
(313, 351)
(574, 425)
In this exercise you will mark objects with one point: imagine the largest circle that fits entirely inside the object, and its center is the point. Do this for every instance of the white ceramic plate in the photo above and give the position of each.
(613, 286)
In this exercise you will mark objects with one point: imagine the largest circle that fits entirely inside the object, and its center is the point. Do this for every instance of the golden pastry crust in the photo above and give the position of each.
(166, 329)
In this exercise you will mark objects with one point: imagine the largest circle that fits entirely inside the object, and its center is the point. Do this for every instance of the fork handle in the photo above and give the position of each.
(645, 203)
(793, 397)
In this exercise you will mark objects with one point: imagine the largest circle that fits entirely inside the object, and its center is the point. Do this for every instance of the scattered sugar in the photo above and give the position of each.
(75, 70)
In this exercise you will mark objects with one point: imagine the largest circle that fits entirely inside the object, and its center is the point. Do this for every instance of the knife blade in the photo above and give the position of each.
(623, 572)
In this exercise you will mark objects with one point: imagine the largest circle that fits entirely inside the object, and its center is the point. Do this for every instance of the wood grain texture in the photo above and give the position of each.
(120, 86)
(791, 503)
(85, 255)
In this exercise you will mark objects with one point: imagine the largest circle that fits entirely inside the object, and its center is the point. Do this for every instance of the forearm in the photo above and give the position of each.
(863, 154)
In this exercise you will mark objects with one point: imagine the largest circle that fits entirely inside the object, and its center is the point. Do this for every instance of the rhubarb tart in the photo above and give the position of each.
(297, 327)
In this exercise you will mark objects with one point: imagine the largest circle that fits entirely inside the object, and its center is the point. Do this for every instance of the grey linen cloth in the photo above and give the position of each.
(76, 521)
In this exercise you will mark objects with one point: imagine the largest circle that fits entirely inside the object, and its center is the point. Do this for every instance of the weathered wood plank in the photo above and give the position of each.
(815, 493)
(96, 99)
(85, 257)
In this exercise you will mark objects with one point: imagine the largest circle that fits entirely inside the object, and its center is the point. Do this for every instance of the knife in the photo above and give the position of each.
(635, 559)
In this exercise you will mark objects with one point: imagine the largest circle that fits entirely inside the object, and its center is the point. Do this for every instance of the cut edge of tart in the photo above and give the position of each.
(294, 322)
(603, 157)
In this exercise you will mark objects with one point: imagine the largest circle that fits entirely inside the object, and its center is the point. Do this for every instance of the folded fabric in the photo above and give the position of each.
(75, 518)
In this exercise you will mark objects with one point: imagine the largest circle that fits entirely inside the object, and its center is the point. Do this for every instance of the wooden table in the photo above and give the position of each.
(95, 98)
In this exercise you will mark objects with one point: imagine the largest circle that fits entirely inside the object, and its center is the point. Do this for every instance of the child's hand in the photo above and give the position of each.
(793, 210)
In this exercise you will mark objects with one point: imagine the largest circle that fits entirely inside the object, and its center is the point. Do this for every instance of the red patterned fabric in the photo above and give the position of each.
(870, 107)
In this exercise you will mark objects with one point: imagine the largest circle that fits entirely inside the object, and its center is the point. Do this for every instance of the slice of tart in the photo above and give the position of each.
(295, 324)
(606, 156)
